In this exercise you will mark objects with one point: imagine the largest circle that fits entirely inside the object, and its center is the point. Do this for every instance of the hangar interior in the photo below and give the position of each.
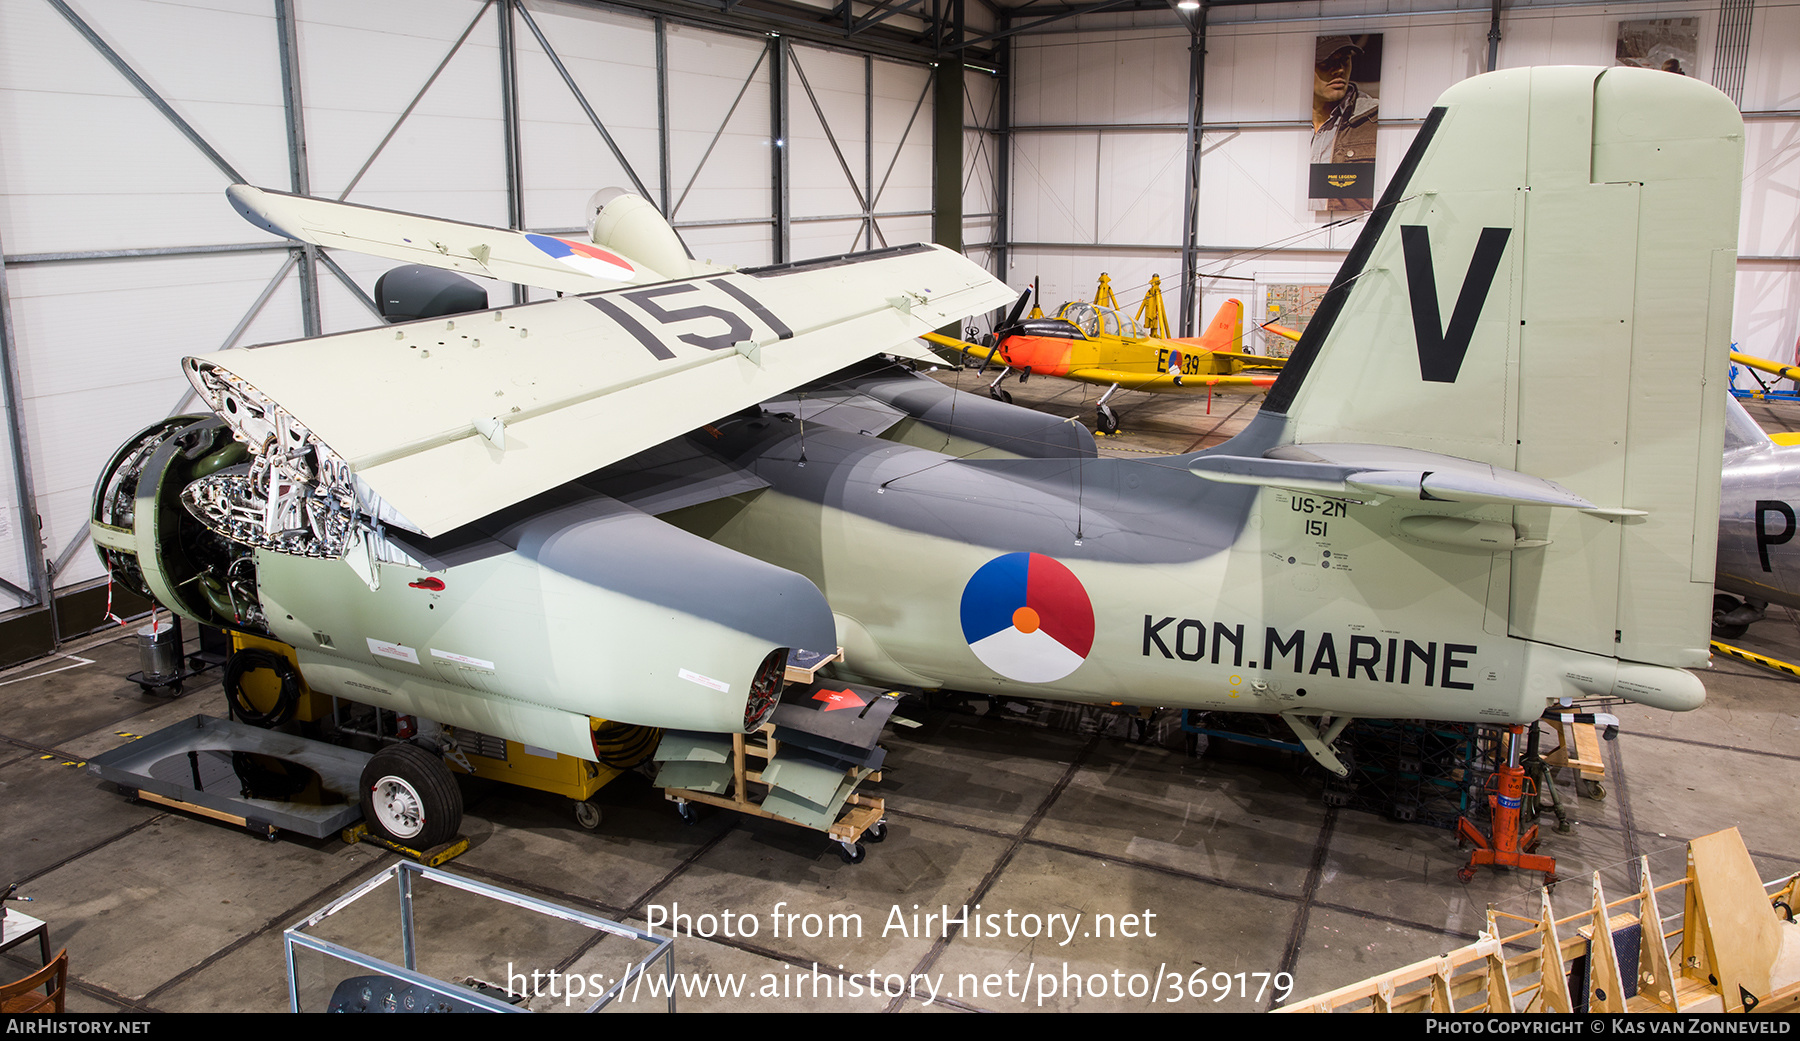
(1134, 138)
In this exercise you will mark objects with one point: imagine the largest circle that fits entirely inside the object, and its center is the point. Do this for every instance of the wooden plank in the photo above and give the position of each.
(1740, 929)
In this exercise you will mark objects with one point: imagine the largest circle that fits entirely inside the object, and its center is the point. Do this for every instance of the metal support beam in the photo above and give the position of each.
(244, 322)
(664, 198)
(79, 255)
(24, 595)
(1190, 198)
(1011, 30)
(768, 49)
(1493, 38)
(298, 176)
(882, 12)
(947, 151)
(862, 200)
(1003, 162)
(150, 95)
(580, 98)
(779, 52)
(875, 199)
(509, 118)
(356, 290)
(868, 229)
(24, 493)
(414, 103)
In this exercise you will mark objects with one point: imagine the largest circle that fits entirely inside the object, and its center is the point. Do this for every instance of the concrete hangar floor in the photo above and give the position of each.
(1036, 813)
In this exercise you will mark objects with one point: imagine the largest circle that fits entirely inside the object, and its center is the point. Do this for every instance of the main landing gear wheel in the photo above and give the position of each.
(852, 852)
(587, 814)
(409, 797)
(999, 395)
(1724, 604)
(1108, 420)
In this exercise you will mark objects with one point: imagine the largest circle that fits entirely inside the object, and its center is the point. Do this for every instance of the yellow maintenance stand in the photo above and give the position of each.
(263, 683)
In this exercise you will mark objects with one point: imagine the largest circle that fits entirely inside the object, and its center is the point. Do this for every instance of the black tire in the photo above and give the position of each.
(1724, 604)
(877, 832)
(1108, 420)
(852, 855)
(409, 797)
(588, 815)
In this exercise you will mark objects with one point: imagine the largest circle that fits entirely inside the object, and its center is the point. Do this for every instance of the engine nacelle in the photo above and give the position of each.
(527, 626)
(153, 546)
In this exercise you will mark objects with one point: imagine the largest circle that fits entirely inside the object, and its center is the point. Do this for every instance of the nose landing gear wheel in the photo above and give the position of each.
(409, 797)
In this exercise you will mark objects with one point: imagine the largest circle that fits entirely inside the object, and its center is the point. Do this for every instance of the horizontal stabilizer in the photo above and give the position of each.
(408, 434)
(1384, 471)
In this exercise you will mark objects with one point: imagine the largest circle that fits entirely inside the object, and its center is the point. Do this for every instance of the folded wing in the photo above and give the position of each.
(431, 424)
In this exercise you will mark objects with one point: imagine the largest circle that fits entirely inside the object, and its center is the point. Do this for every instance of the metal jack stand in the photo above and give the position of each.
(1507, 790)
(1539, 772)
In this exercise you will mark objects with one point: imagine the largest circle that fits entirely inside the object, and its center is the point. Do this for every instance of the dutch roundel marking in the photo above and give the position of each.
(589, 260)
(1027, 617)
(1441, 349)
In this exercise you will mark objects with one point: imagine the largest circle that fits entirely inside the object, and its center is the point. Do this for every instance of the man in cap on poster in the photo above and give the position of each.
(1344, 120)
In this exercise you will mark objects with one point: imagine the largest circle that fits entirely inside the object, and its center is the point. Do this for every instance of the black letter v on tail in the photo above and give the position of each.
(1441, 350)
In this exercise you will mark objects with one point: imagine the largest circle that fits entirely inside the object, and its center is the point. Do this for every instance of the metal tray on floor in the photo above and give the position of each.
(229, 771)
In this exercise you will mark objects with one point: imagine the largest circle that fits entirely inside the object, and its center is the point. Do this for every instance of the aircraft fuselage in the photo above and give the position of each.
(1141, 583)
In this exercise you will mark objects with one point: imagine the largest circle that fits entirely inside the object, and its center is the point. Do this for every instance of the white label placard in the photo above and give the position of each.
(462, 659)
(396, 651)
(706, 681)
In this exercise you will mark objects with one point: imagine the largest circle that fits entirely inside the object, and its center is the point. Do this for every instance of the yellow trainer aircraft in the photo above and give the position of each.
(1096, 343)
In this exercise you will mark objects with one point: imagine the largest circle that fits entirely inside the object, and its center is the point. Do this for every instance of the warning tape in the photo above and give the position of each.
(1754, 658)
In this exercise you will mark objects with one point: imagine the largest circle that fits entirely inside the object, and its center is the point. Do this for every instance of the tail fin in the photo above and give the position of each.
(1546, 288)
(631, 225)
(1226, 333)
(1227, 329)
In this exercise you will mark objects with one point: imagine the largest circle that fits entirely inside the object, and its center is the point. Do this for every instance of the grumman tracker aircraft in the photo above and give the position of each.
(631, 504)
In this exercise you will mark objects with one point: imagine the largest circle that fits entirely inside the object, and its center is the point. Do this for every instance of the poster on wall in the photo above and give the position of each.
(1345, 101)
(1669, 44)
(1289, 305)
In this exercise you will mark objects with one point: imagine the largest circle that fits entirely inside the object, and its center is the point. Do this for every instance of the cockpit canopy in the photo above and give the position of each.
(1093, 320)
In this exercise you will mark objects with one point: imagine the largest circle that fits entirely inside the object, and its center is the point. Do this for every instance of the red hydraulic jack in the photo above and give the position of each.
(1507, 790)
